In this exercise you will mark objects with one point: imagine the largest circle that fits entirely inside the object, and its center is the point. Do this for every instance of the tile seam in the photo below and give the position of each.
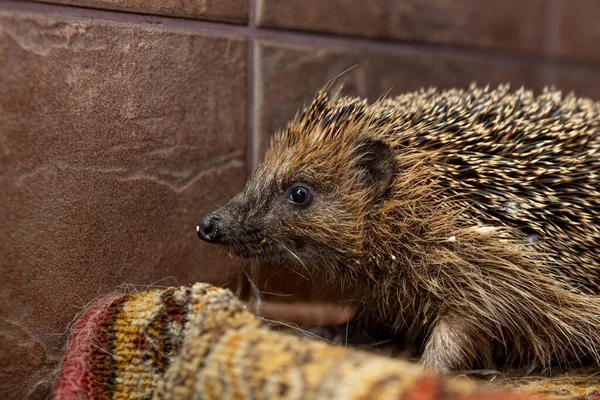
(552, 35)
(251, 87)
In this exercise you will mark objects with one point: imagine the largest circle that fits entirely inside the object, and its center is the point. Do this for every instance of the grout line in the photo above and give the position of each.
(248, 269)
(254, 33)
(359, 44)
(553, 28)
(251, 87)
(252, 5)
(257, 108)
(551, 40)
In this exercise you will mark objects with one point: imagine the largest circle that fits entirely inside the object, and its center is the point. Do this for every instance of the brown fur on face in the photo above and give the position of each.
(471, 218)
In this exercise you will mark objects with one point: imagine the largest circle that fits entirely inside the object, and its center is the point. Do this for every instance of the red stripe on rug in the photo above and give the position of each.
(73, 382)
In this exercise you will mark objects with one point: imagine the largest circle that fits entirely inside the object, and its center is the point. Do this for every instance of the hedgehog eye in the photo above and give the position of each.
(300, 195)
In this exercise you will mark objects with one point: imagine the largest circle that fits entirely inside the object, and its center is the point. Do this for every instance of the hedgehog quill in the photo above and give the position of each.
(468, 219)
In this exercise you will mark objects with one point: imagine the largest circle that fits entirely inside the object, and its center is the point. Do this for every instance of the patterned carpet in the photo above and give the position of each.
(578, 384)
(201, 342)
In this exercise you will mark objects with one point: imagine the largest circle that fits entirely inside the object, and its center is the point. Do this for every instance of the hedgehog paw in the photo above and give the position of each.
(447, 349)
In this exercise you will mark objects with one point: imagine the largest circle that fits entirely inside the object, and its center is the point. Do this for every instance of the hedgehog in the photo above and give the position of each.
(465, 219)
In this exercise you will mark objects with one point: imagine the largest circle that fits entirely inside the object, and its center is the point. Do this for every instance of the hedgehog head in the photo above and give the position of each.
(308, 204)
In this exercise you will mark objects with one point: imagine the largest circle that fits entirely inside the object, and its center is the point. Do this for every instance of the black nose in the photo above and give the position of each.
(209, 228)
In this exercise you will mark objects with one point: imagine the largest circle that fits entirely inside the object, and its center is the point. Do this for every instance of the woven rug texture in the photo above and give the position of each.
(200, 342)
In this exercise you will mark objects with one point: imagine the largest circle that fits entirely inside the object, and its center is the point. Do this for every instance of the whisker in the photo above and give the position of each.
(297, 258)
(259, 301)
(295, 327)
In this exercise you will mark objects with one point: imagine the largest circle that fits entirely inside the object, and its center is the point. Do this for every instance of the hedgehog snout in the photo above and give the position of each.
(210, 228)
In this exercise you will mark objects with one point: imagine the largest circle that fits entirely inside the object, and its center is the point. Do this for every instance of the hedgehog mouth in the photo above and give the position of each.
(256, 250)
(264, 250)
(252, 253)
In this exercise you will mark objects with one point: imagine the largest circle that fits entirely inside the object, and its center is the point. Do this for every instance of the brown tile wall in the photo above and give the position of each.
(508, 24)
(579, 26)
(124, 121)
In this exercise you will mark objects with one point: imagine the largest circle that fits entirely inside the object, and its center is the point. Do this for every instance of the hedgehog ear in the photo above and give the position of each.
(375, 166)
